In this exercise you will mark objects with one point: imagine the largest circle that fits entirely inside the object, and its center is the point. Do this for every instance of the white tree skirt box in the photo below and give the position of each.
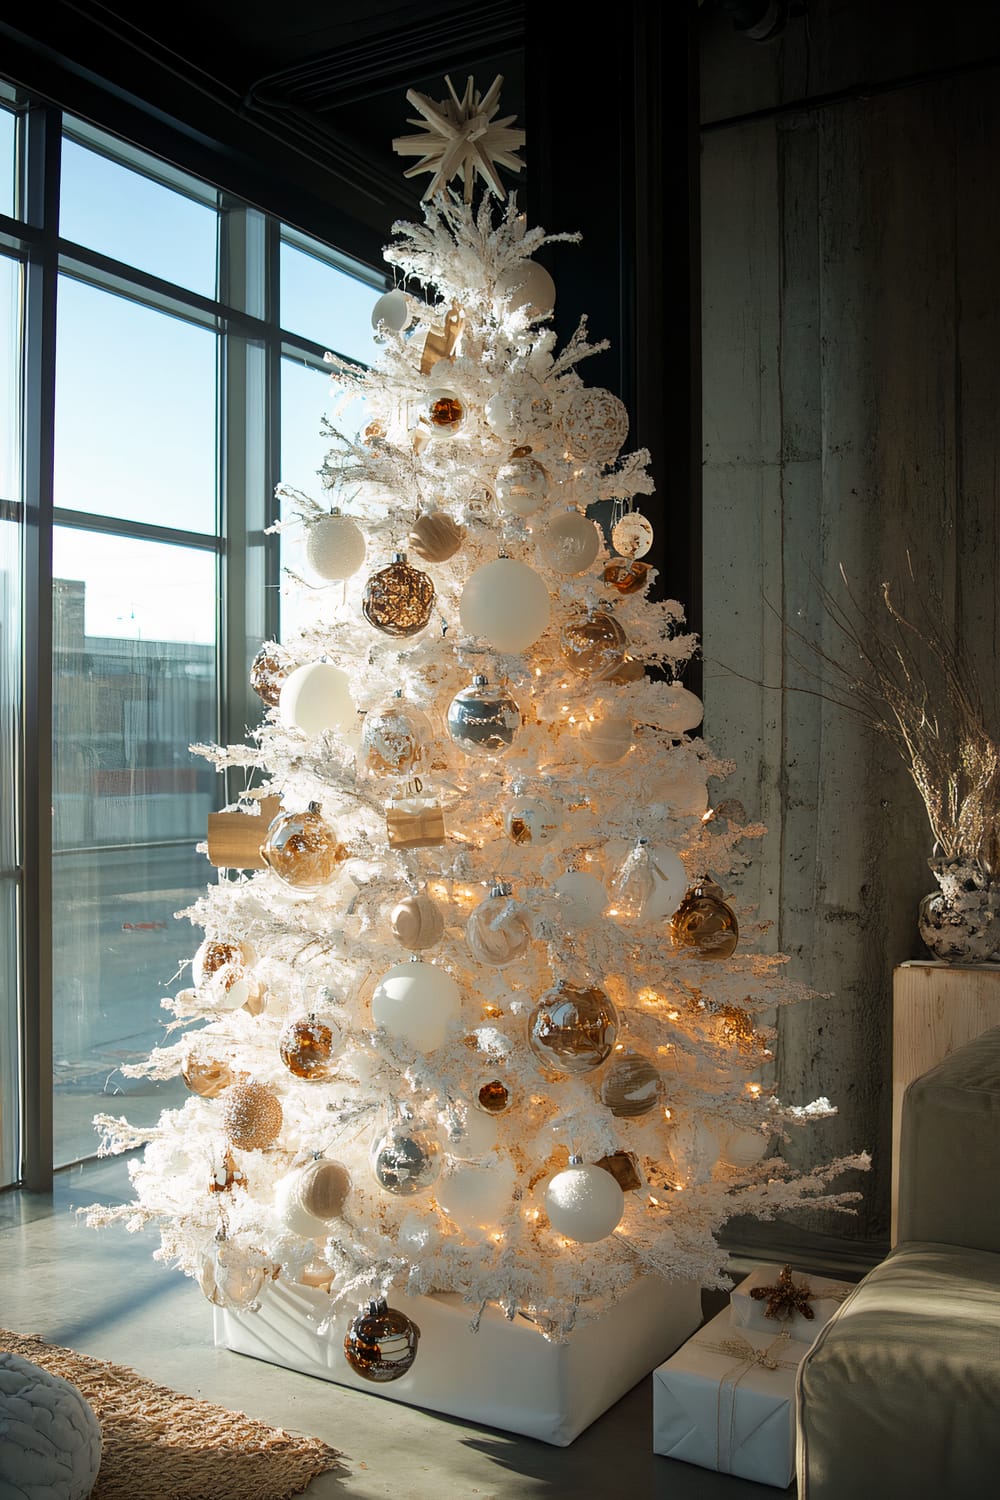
(506, 1375)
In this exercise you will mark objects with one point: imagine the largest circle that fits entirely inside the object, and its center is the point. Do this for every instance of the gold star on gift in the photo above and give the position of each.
(786, 1298)
(462, 137)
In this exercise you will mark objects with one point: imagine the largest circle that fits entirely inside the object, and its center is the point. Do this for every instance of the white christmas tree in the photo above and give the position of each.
(484, 1021)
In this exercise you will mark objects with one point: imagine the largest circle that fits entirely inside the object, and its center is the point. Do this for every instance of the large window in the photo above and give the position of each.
(141, 358)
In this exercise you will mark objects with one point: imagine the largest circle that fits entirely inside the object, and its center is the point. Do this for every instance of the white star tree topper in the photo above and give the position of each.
(462, 137)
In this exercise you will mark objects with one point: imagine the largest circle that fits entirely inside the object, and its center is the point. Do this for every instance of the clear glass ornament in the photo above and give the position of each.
(529, 820)
(573, 1028)
(231, 1276)
(593, 645)
(483, 719)
(705, 922)
(499, 929)
(633, 887)
(407, 1159)
(303, 850)
(394, 738)
(268, 671)
(443, 411)
(522, 485)
(308, 1047)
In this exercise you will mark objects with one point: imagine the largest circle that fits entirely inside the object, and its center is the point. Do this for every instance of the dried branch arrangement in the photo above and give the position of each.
(913, 684)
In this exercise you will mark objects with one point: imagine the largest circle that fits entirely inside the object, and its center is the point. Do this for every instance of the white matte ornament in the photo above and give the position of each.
(681, 784)
(584, 1203)
(393, 311)
(570, 543)
(632, 536)
(335, 547)
(679, 710)
(416, 1002)
(505, 603)
(477, 1197)
(528, 285)
(584, 897)
(316, 698)
(743, 1147)
(670, 882)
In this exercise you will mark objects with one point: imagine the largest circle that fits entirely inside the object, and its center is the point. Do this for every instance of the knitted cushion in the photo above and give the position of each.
(50, 1439)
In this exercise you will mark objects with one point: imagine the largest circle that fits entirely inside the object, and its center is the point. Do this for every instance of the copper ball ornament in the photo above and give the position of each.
(573, 1028)
(493, 1098)
(593, 645)
(625, 575)
(251, 1116)
(307, 1047)
(381, 1343)
(705, 923)
(398, 600)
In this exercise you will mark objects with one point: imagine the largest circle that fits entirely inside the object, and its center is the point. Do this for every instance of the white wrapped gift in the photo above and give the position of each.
(751, 1312)
(726, 1401)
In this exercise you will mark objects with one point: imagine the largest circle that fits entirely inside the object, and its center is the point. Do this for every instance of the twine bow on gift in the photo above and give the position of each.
(747, 1358)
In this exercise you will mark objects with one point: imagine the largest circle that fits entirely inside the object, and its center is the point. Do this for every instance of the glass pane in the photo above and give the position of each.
(10, 698)
(8, 162)
(135, 411)
(307, 396)
(134, 684)
(326, 305)
(10, 383)
(129, 217)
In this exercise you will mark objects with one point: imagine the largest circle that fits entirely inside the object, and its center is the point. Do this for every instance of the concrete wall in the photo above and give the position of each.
(851, 348)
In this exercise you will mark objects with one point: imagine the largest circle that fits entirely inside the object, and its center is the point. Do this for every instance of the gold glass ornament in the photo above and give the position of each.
(493, 1097)
(251, 1116)
(414, 819)
(632, 536)
(407, 1159)
(629, 671)
(499, 929)
(737, 1027)
(623, 1168)
(268, 671)
(443, 411)
(435, 537)
(206, 1075)
(573, 1028)
(303, 850)
(399, 599)
(416, 922)
(483, 719)
(626, 576)
(394, 738)
(705, 922)
(521, 485)
(593, 645)
(381, 1343)
(307, 1047)
(594, 424)
(631, 1086)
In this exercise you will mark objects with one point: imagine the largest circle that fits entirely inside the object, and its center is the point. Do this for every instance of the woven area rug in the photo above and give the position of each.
(160, 1445)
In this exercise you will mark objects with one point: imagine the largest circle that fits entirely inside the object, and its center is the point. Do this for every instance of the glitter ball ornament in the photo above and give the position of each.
(631, 1086)
(569, 543)
(505, 603)
(493, 1097)
(499, 929)
(393, 311)
(307, 1047)
(521, 486)
(573, 1028)
(316, 698)
(416, 1002)
(625, 576)
(303, 850)
(520, 414)
(416, 922)
(407, 1159)
(308, 1199)
(268, 671)
(206, 1076)
(214, 952)
(483, 719)
(251, 1116)
(594, 424)
(529, 820)
(335, 546)
(705, 922)
(606, 741)
(593, 645)
(632, 536)
(394, 738)
(381, 1343)
(584, 1202)
(398, 600)
(443, 411)
(434, 537)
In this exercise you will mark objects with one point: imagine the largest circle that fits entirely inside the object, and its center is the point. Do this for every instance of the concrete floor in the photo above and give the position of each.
(101, 1293)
